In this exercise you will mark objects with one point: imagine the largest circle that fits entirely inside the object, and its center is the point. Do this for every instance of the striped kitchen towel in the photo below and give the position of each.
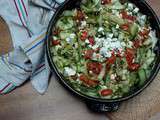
(27, 61)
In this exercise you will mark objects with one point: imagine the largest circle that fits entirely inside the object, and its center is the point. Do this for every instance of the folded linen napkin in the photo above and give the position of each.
(27, 21)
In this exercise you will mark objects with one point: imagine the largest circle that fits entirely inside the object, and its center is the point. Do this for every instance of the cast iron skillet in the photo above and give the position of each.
(99, 104)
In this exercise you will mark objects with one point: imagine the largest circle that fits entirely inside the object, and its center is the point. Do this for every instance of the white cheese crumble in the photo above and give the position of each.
(107, 45)
(86, 17)
(105, 52)
(69, 71)
(142, 19)
(72, 35)
(117, 26)
(113, 76)
(83, 23)
(69, 40)
(129, 44)
(129, 13)
(100, 29)
(90, 46)
(110, 35)
(55, 38)
(154, 39)
(75, 45)
(130, 6)
(136, 10)
(87, 41)
(123, 44)
(99, 42)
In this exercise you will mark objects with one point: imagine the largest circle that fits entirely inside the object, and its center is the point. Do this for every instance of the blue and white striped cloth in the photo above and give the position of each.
(27, 60)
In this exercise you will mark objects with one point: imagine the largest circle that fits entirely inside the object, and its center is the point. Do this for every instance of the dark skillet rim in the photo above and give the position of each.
(62, 80)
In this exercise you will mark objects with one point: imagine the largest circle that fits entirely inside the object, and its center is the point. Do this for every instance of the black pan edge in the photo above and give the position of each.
(54, 69)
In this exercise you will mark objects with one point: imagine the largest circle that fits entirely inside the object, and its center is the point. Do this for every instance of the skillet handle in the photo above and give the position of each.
(102, 107)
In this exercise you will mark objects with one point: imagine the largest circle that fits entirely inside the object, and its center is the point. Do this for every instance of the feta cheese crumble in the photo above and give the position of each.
(105, 52)
(69, 71)
(117, 26)
(130, 6)
(113, 76)
(154, 39)
(83, 23)
(142, 19)
(87, 41)
(72, 35)
(136, 10)
(107, 45)
(110, 35)
(100, 29)
(70, 38)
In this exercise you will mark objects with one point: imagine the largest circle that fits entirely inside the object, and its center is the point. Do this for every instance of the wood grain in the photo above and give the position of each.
(141, 107)
(58, 104)
(5, 38)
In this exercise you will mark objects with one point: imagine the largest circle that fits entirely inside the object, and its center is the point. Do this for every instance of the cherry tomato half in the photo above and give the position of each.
(91, 40)
(55, 42)
(130, 53)
(112, 59)
(126, 16)
(137, 43)
(106, 92)
(104, 2)
(145, 32)
(134, 66)
(95, 67)
(84, 35)
(88, 82)
(88, 54)
(125, 27)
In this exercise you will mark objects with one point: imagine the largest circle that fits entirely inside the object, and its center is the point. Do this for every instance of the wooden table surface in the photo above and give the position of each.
(25, 103)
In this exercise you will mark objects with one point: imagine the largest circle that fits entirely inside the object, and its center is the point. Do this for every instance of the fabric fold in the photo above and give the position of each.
(27, 61)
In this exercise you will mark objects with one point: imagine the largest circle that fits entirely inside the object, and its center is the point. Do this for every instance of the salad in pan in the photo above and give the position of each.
(104, 48)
